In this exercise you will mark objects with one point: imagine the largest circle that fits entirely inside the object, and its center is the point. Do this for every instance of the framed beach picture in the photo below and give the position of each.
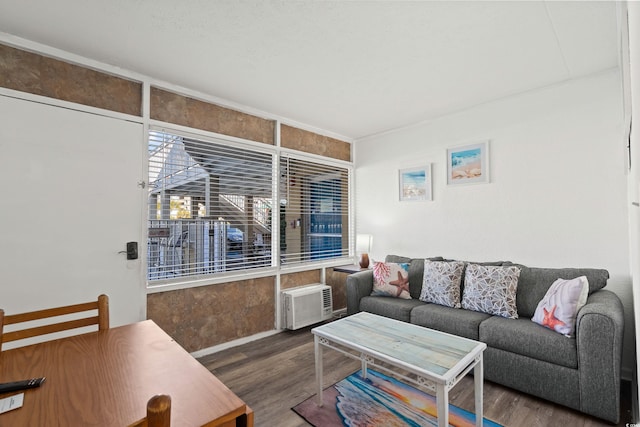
(415, 183)
(468, 164)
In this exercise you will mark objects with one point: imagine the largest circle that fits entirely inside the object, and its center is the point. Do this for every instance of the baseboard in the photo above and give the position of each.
(234, 343)
(338, 314)
(227, 345)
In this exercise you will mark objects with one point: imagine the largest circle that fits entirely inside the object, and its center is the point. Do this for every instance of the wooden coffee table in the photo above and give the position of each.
(437, 359)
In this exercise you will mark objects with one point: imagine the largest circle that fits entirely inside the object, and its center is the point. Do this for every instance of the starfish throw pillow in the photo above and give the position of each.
(391, 279)
(559, 307)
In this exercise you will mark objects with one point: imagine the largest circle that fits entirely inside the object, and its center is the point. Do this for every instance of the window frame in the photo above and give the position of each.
(276, 267)
(311, 172)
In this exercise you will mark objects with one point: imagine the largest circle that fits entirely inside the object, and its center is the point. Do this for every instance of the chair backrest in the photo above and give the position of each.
(101, 319)
(158, 412)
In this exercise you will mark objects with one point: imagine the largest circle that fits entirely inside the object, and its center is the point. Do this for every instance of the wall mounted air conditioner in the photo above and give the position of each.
(307, 305)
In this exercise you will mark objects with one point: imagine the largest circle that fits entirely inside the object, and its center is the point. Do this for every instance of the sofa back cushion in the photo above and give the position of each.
(416, 271)
(534, 283)
(397, 258)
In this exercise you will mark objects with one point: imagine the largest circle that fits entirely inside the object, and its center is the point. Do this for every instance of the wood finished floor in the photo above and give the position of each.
(274, 374)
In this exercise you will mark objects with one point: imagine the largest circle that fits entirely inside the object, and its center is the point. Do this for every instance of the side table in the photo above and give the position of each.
(336, 277)
(349, 268)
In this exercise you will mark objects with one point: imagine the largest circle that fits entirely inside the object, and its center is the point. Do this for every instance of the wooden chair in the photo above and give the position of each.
(101, 319)
(158, 412)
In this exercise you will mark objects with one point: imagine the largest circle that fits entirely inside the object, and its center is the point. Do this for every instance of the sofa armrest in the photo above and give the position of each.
(599, 330)
(358, 285)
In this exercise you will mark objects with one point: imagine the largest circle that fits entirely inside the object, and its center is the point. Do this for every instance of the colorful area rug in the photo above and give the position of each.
(378, 401)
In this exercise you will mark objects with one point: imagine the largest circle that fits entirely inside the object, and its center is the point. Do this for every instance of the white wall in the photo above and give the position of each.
(634, 177)
(557, 196)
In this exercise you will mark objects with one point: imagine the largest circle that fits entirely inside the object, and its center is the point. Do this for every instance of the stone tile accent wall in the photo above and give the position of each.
(338, 283)
(182, 110)
(310, 142)
(292, 280)
(40, 75)
(206, 316)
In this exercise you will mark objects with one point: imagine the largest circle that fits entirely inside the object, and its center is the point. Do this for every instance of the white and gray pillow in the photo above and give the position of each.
(491, 290)
(441, 282)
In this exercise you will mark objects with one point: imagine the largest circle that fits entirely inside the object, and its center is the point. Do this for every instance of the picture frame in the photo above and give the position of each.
(468, 164)
(415, 183)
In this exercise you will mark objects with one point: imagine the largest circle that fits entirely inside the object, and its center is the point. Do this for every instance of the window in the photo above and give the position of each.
(210, 205)
(314, 200)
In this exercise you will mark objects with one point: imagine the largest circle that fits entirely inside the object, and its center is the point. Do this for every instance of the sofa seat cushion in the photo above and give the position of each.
(524, 337)
(464, 323)
(395, 308)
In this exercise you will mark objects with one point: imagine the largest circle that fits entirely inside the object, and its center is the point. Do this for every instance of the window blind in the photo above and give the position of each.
(210, 206)
(314, 211)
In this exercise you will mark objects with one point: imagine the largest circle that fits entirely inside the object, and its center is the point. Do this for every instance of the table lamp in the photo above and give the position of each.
(363, 247)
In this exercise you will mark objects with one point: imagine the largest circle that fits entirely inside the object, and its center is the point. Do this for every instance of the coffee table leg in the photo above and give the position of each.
(363, 362)
(478, 380)
(318, 353)
(442, 402)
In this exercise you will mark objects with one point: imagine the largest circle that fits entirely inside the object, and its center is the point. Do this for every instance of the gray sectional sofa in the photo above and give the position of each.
(581, 372)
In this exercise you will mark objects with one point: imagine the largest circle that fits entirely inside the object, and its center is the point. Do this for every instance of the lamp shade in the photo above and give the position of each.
(363, 243)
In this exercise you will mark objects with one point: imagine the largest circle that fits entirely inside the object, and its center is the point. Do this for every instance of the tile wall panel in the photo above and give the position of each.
(310, 142)
(207, 316)
(40, 75)
(182, 110)
(292, 280)
(338, 283)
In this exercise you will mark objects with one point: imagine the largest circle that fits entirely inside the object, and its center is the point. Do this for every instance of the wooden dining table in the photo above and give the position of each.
(105, 378)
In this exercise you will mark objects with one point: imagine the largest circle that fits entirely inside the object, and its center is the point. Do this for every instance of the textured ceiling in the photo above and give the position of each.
(351, 68)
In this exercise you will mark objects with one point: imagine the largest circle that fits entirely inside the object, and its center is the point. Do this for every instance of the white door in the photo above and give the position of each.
(70, 202)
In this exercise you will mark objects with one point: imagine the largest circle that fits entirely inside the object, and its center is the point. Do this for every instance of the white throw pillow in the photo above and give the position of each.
(559, 308)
